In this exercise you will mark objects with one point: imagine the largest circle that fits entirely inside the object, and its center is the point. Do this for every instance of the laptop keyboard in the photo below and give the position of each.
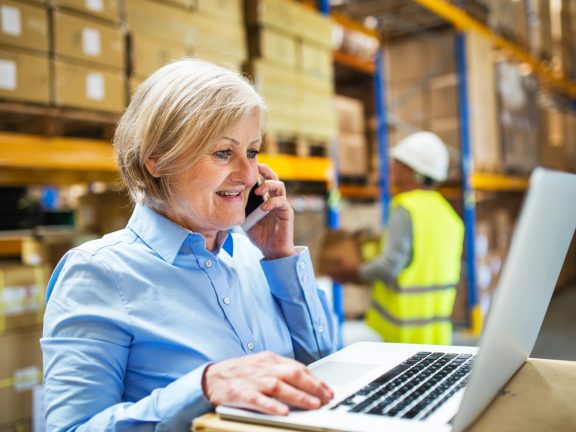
(414, 389)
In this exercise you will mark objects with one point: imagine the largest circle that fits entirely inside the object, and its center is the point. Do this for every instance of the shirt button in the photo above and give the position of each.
(304, 278)
(209, 263)
(320, 328)
(250, 346)
(226, 300)
(301, 264)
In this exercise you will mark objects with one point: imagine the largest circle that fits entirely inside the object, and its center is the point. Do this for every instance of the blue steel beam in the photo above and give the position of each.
(468, 192)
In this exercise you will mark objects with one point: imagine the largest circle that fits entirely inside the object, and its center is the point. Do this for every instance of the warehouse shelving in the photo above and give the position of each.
(474, 182)
(30, 159)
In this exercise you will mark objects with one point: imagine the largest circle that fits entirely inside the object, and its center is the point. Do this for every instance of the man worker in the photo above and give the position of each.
(414, 279)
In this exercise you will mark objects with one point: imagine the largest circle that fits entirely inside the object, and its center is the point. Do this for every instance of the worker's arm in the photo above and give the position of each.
(397, 250)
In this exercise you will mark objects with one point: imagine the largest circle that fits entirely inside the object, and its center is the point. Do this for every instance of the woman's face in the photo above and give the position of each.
(213, 192)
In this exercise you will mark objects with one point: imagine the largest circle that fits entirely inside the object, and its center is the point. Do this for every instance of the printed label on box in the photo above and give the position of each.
(26, 378)
(95, 86)
(95, 5)
(91, 42)
(11, 20)
(20, 299)
(7, 75)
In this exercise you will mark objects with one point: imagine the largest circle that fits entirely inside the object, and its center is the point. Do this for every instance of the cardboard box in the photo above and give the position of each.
(279, 14)
(312, 26)
(225, 40)
(24, 76)
(273, 46)
(89, 87)
(443, 91)
(22, 291)
(103, 213)
(226, 10)
(337, 245)
(46, 249)
(148, 53)
(413, 59)
(23, 25)
(350, 114)
(482, 93)
(163, 21)
(108, 10)
(315, 61)
(87, 40)
(352, 154)
(20, 371)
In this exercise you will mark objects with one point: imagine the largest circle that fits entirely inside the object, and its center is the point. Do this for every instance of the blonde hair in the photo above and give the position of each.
(174, 117)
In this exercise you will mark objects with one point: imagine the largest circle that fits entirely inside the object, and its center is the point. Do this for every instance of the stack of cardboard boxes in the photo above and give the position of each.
(162, 31)
(24, 64)
(22, 292)
(291, 64)
(352, 145)
(89, 55)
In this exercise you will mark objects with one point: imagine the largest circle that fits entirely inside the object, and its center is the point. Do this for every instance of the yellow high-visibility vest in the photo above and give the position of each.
(418, 307)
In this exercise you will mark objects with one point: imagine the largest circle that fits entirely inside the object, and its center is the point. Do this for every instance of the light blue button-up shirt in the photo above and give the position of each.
(133, 319)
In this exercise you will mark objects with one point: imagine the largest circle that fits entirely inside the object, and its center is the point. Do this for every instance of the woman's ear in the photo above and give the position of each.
(150, 165)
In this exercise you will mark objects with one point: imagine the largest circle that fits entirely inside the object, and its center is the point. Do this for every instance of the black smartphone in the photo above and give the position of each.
(253, 211)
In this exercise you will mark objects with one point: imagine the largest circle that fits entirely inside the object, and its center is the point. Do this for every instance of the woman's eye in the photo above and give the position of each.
(223, 154)
(253, 154)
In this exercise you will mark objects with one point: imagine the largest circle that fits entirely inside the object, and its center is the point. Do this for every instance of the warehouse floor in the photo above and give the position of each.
(557, 338)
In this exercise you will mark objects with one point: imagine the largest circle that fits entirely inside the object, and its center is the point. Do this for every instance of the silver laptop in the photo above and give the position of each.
(409, 387)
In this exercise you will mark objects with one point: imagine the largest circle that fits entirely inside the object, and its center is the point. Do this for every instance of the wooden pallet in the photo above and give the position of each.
(295, 145)
(54, 121)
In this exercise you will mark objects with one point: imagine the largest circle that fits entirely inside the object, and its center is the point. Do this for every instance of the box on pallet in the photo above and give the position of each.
(350, 114)
(273, 46)
(88, 87)
(87, 40)
(21, 295)
(226, 10)
(20, 372)
(24, 76)
(108, 10)
(23, 25)
(217, 40)
(162, 21)
(148, 53)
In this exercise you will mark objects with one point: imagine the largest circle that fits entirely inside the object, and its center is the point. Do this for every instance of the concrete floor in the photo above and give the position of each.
(557, 338)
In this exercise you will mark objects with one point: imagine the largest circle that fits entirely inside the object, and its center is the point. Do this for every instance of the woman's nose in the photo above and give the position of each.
(245, 171)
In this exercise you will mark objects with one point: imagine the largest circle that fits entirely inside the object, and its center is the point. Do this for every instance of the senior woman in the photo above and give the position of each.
(153, 325)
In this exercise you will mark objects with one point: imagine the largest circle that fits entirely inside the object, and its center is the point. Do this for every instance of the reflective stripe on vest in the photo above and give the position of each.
(417, 308)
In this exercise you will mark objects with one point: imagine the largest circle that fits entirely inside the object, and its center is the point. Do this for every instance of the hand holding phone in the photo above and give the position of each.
(253, 210)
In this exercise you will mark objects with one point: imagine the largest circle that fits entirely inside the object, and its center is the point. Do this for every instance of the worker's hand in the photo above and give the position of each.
(345, 271)
(274, 234)
(264, 382)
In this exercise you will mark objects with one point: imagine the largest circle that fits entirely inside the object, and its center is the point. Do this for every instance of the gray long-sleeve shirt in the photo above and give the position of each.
(397, 250)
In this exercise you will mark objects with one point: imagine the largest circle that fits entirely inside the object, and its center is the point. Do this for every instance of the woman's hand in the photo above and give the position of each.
(264, 382)
(274, 234)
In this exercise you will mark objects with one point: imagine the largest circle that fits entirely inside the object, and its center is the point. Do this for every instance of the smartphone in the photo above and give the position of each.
(253, 211)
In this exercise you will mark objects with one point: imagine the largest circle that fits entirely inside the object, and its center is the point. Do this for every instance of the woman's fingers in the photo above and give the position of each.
(267, 172)
(265, 382)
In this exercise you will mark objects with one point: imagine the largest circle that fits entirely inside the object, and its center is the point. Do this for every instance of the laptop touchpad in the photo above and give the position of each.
(341, 373)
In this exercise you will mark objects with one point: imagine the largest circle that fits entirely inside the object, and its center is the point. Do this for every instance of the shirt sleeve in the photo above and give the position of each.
(305, 308)
(397, 250)
(85, 347)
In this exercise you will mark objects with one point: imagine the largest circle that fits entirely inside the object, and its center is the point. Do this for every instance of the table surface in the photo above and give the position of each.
(541, 396)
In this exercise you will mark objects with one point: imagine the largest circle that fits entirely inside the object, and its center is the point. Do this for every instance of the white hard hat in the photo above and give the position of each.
(425, 153)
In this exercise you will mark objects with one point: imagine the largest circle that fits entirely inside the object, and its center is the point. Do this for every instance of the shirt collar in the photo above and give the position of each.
(164, 236)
